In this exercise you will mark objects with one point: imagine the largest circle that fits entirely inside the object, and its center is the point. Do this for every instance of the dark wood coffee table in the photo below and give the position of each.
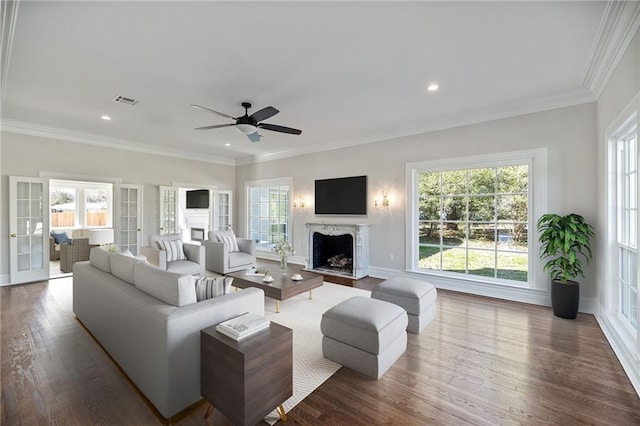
(282, 287)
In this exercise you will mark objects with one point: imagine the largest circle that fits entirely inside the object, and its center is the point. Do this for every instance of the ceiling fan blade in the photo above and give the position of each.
(215, 126)
(281, 129)
(254, 137)
(221, 114)
(264, 113)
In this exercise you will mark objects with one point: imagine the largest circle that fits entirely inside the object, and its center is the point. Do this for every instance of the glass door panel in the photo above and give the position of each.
(128, 221)
(28, 210)
(222, 212)
(168, 210)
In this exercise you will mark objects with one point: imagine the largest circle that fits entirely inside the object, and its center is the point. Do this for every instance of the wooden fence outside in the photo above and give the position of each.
(67, 219)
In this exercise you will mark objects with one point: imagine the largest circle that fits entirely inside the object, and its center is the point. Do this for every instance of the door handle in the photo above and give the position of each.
(138, 229)
(13, 235)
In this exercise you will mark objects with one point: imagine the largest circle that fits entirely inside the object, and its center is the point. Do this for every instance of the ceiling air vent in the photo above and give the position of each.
(125, 100)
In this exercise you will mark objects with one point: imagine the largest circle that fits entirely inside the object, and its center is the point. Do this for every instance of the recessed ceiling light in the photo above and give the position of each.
(227, 144)
(105, 117)
(433, 87)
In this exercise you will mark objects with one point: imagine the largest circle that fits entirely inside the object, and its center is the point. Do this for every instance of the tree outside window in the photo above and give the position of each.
(475, 221)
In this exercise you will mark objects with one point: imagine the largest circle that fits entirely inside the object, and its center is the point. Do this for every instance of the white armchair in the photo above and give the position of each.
(220, 258)
(194, 264)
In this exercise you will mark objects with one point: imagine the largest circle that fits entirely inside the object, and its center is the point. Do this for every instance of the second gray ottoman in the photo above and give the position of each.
(417, 297)
(364, 334)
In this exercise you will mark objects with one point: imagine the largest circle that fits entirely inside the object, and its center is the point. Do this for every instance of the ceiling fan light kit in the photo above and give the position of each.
(249, 124)
(247, 129)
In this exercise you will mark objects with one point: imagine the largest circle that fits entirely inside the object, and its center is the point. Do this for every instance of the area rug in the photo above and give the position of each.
(302, 315)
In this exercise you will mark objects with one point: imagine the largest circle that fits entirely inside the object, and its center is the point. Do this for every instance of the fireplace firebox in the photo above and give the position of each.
(333, 253)
(340, 250)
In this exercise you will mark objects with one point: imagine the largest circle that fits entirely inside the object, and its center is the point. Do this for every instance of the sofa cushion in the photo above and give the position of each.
(239, 258)
(210, 287)
(122, 266)
(172, 288)
(100, 258)
(174, 249)
(154, 240)
(184, 267)
(60, 237)
(227, 237)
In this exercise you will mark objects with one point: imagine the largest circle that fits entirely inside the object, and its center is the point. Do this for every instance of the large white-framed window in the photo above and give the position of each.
(472, 217)
(623, 190)
(78, 204)
(269, 211)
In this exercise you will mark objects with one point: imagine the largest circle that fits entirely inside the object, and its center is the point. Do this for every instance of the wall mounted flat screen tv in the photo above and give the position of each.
(341, 196)
(198, 199)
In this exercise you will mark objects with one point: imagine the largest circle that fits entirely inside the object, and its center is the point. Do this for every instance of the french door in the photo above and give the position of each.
(28, 229)
(222, 210)
(128, 221)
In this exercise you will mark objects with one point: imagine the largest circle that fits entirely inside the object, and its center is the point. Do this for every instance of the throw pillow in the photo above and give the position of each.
(229, 238)
(60, 237)
(174, 249)
(208, 288)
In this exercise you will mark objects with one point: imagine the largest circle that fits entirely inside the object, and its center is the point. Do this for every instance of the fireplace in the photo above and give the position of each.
(197, 234)
(339, 249)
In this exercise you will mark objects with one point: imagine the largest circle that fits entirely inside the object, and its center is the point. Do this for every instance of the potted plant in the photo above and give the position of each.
(565, 240)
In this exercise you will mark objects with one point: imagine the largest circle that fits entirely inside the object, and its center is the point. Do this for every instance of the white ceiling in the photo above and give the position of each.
(344, 72)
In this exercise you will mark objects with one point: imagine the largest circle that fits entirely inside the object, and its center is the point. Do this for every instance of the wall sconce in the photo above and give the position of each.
(384, 203)
(298, 202)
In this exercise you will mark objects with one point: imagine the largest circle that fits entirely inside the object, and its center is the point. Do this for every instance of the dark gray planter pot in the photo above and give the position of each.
(565, 299)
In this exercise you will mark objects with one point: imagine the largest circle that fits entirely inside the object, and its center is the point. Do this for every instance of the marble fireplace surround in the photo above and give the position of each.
(360, 239)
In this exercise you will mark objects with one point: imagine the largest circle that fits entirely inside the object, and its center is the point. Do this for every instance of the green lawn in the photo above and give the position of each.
(511, 266)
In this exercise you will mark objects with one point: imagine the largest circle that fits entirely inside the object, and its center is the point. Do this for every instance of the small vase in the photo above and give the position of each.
(283, 263)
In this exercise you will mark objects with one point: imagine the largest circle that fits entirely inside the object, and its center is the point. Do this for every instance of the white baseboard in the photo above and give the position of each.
(630, 364)
(5, 280)
(515, 294)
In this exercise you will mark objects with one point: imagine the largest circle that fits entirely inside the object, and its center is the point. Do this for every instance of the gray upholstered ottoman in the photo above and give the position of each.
(417, 297)
(364, 334)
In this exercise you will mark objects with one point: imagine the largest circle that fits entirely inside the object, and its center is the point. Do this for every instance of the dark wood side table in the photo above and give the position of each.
(247, 379)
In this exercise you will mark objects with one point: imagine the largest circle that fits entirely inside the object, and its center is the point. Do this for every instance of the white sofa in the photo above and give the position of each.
(149, 322)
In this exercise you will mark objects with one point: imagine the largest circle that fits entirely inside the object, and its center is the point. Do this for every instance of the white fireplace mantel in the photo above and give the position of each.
(360, 234)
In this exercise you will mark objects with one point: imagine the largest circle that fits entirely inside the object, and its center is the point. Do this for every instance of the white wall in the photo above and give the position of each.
(28, 156)
(568, 133)
(621, 88)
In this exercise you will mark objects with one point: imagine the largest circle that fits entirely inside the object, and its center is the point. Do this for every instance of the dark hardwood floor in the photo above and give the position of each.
(482, 361)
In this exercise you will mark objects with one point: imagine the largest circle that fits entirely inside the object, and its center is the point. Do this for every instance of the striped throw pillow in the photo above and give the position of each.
(229, 238)
(174, 249)
(207, 287)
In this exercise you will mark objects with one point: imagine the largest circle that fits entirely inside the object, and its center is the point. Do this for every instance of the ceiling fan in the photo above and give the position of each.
(249, 124)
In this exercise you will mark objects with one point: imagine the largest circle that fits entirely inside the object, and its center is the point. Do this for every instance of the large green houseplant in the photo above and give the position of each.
(565, 242)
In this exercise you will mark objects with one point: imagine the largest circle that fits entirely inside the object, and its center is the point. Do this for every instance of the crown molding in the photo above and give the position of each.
(497, 112)
(31, 129)
(619, 24)
(9, 10)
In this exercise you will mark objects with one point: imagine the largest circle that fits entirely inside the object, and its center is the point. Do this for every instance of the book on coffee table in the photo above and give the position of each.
(243, 326)
(257, 272)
